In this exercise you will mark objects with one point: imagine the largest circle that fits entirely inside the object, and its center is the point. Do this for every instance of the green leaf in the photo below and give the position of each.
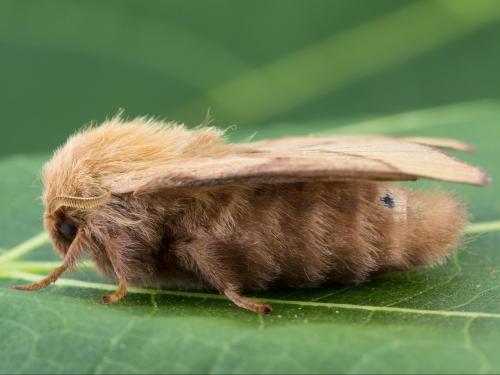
(444, 319)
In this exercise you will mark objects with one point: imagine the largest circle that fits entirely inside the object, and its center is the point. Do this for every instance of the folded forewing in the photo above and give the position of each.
(318, 159)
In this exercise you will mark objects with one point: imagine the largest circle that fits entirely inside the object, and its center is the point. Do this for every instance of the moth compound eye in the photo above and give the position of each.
(67, 230)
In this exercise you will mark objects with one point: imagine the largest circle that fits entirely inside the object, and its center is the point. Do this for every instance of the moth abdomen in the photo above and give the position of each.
(421, 227)
(435, 226)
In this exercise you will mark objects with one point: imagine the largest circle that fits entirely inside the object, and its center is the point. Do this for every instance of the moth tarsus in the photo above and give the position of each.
(119, 293)
(247, 303)
(158, 205)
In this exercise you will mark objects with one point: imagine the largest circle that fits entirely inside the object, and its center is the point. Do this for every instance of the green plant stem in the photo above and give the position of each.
(25, 247)
(490, 226)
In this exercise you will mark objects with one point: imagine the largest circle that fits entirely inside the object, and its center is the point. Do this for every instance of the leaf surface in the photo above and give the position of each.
(444, 319)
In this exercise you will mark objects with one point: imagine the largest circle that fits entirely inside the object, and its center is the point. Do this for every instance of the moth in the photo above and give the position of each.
(158, 205)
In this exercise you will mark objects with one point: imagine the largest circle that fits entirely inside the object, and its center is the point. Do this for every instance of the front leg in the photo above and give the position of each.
(69, 260)
(210, 261)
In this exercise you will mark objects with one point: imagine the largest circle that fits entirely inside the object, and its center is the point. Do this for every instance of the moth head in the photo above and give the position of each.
(69, 209)
(65, 216)
(72, 187)
(70, 190)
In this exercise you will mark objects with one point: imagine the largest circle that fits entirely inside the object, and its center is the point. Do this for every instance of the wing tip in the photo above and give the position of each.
(459, 145)
(465, 147)
(485, 178)
(440, 143)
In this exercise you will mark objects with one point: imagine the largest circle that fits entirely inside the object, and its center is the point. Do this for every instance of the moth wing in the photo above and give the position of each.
(447, 143)
(381, 159)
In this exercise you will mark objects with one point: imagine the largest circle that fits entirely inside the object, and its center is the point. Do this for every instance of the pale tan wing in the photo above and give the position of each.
(448, 143)
(376, 159)
(452, 144)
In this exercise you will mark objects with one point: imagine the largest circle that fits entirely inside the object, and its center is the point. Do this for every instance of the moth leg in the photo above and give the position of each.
(247, 303)
(112, 249)
(120, 292)
(201, 256)
(53, 276)
(68, 261)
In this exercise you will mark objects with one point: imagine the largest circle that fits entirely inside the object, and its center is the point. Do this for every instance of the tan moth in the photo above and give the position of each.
(158, 205)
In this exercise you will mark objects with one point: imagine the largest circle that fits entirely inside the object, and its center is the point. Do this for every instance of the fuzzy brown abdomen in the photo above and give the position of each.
(306, 235)
(435, 225)
(399, 229)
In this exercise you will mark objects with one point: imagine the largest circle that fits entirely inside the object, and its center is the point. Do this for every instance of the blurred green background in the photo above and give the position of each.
(66, 63)
(275, 67)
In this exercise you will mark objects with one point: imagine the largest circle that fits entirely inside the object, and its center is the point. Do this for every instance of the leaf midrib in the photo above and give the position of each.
(387, 309)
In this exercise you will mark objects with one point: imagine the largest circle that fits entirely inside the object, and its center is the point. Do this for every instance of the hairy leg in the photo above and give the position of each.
(118, 294)
(69, 260)
(205, 257)
(247, 303)
(112, 249)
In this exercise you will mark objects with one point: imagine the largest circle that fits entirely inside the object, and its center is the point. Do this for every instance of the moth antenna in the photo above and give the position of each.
(78, 202)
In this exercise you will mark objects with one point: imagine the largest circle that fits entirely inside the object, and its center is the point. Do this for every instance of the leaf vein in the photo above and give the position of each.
(386, 309)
